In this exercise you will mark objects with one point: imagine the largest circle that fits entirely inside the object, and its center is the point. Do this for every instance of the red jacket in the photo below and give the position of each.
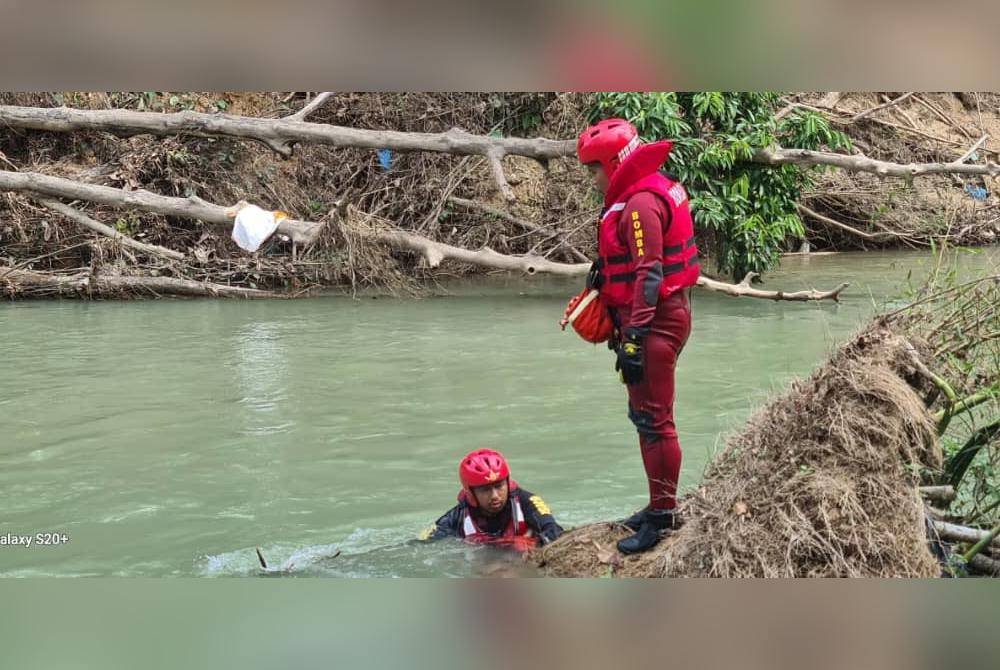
(646, 237)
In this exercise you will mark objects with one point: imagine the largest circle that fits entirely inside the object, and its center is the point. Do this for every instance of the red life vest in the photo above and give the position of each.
(639, 173)
(516, 535)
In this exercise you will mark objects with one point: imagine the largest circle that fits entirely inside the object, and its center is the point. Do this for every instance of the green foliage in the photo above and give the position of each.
(128, 224)
(749, 208)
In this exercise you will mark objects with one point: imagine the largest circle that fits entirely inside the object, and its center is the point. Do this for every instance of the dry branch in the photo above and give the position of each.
(885, 105)
(302, 232)
(939, 494)
(98, 227)
(316, 103)
(16, 283)
(989, 566)
(744, 289)
(955, 533)
(522, 223)
(843, 226)
(282, 134)
(964, 157)
(436, 252)
(865, 164)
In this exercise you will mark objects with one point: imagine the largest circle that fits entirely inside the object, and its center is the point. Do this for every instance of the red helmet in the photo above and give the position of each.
(481, 467)
(607, 142)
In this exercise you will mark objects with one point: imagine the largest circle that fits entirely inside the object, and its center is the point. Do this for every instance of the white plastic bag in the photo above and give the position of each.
(254, 225)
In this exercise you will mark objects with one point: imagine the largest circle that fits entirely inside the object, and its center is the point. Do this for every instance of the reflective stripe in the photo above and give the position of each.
(468, 528)
(518, 515)
(624, 277)
(676, 249)
(617, 207)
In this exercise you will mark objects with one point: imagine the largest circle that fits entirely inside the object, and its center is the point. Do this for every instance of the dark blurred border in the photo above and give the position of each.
(284, 623)
(512, 45)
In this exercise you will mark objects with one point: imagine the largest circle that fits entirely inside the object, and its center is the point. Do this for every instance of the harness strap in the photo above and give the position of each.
(678, 248)
(675, 268)
(623, 277)
(619, 260)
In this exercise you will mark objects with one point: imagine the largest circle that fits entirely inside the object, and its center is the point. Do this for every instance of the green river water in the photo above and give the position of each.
(172, 437)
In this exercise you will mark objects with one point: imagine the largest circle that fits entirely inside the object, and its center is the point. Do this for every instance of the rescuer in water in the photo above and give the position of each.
(493, 509)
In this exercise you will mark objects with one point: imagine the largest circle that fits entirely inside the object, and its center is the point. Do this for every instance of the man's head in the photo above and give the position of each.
(603, 146)
(484, 474)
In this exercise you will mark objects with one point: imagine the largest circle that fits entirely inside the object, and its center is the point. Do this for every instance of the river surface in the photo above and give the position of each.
(174, 437)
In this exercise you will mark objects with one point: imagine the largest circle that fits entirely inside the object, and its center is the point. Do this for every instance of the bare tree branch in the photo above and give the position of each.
(282, 134)
(522, 223)
(436, 252)
(865, 164)
(316, 103)
(302, 232)
(98, 227)
(279, 134)
(964, 157)
(843, 226)
(18, 283)
(885, 105)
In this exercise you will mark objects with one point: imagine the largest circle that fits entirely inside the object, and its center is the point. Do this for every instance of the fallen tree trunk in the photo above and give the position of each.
(744, 289)
(278, 134)
(28, 283)
(956, 533)
(865, 164)
(305, 232)
(939, 494)
(282, 134)
(985, 565)
(98, 227)
(302, 233)
(436, 252)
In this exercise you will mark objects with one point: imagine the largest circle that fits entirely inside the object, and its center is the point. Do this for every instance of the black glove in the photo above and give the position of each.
(629, 361)
(550, 533)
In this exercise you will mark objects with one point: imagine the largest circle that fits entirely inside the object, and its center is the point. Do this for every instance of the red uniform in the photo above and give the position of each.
(647, 261)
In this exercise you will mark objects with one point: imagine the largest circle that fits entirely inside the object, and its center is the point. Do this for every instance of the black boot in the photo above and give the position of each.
(650, 532)
(634, 522)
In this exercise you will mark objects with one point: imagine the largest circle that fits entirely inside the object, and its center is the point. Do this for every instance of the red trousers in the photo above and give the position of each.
(651, 401)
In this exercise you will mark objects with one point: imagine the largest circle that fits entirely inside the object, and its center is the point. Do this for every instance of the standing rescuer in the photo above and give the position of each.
(647, 262)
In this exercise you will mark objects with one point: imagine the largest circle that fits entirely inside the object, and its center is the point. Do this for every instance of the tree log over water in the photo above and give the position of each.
(305, 232)
(33, 183)
(16, 282)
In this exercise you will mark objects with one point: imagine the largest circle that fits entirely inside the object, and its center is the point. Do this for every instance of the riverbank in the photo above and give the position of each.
(823, 480)
(546, 210)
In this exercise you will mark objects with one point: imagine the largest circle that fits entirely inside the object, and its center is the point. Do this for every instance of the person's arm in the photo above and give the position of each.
(538, 516)
(448, 525)
(643, 224)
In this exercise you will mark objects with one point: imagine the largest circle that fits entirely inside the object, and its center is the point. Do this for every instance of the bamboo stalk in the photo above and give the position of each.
(965, 405)
(979, 546)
